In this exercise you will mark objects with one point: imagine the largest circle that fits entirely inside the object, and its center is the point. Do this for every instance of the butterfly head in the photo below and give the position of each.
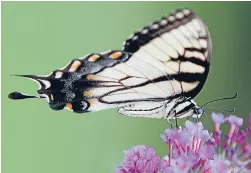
(198, 112)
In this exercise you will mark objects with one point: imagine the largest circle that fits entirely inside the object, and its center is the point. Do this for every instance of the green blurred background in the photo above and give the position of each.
(38, 37)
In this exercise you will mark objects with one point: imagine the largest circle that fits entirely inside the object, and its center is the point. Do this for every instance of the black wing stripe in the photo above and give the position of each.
(152, 109)
(141, 74)
(167, 76)
(185, 109)
(132, 45)
(181, 77)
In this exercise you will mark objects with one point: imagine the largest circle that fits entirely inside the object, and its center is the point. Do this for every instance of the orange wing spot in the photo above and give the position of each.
(91, 77)
(58, 74)
(68, 106)
(92, 102)
(93, 58)
(75, 66)
(116, 55)
(87, 93)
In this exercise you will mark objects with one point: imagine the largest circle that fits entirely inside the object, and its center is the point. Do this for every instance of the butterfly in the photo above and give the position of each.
(159, 71)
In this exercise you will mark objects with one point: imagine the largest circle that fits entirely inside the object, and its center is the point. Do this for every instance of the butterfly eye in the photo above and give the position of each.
(199, 111)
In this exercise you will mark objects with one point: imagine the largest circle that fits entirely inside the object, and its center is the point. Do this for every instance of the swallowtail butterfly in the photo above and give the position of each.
(157, 74)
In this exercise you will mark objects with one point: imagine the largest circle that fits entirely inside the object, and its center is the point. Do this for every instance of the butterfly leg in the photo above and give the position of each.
(196, 119)
(171, 123)
(168, 120)
(176, 122)
(188, 118)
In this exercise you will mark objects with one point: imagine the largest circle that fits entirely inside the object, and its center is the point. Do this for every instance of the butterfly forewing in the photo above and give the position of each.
(179, 45)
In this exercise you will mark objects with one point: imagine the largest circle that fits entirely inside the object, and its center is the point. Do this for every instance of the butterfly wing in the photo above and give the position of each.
(165, 60)
(179, 45)
(173, 53)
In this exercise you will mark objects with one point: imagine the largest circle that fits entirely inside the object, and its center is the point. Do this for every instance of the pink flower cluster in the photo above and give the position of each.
(193, 149)
(138, 159)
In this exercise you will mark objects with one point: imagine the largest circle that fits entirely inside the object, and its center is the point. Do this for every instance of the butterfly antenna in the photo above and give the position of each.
(221, 109)
(224, 98)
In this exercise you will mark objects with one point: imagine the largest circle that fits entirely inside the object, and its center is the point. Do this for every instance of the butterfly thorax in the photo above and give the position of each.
(179, 108)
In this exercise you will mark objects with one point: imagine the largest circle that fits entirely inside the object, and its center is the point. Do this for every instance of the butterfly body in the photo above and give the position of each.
(157, 74)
